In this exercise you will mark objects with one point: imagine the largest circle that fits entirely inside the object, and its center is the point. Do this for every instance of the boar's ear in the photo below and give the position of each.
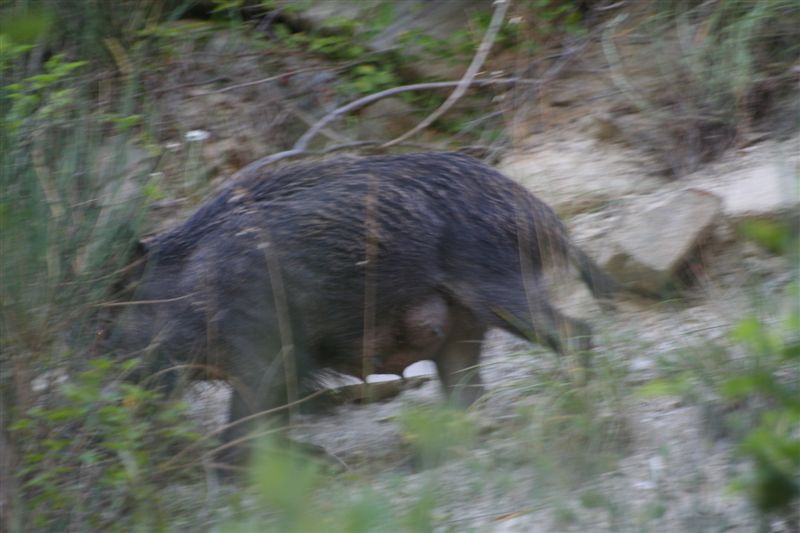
(140, 251)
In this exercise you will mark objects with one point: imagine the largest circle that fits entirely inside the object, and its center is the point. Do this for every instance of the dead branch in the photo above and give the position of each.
(501, 6)
(300, 147)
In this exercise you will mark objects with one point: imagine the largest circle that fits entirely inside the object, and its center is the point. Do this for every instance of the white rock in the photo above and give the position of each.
(762, 181)
(420, 368)
(579, 175)
(650, 244)
(766, 190)
(197, 135)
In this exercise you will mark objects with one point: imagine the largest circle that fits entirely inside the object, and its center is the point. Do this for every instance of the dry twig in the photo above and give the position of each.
(301, 146)
(501, 6)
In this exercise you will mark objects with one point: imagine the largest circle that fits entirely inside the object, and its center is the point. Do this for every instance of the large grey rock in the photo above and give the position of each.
(760, 181)
(578, 174)
(766, 190)
(649, 245)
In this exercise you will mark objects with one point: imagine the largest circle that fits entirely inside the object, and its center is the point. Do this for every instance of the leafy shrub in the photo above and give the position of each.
(773, 445)
(293, 493)
(438, 434)
(576, 430)
(98, 452)
(60, 240)
(724, 67)
(754, 388)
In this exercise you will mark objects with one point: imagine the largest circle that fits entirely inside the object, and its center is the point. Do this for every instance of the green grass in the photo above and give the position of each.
(724, 71)
(749, 390)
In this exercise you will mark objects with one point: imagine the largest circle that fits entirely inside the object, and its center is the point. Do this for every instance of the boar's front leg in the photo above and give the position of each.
(457, 362)
(264, 375)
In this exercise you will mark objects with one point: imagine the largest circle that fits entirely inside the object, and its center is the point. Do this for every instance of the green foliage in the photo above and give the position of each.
(60, 239)
(775, 237)
(227, 5)
(530, 26)
(50, 178)
(25, 27)
(41, 98)
(347, 39)
(757, 384)
(295, 495)
(575, 431)
(547, 19)
(733, 62)
(746, 43)
(99, 452)
(344, 39)
(19, 33)
(337, 38)
(438, 433)
(370, 78)
(773, 445)
(285, 482)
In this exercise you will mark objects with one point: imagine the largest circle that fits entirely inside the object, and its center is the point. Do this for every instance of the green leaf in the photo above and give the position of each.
(384, 15)
(27, 27)
(791, 350)
(21, 424)
(747, 330)
(675, 386)
(89, 457)
(127, 122)
(365, 69)
(63, 414)
(772, 236)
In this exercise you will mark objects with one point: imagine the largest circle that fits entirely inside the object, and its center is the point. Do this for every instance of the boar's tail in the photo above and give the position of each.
(603, 287)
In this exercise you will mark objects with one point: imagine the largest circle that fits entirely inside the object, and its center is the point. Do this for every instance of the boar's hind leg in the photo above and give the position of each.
(524, 310)
(457, 360)
(531, 316)
(549, 327)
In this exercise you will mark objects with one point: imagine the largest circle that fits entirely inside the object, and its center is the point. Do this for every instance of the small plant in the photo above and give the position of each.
(437, 434)
(752, 389)
(285, 482)
(530, 26)
(295, 494)
(97, 453)
(370, 78)
(772, 236)
(573, 431)
(773, 445)
(42, 97)
(346, 40)
(733, 62)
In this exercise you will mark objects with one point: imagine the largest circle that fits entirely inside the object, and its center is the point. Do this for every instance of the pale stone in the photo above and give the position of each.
(767, 190)
(649, 245)
(578, 175)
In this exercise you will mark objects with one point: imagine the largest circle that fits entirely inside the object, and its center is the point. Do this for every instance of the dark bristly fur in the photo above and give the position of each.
(407, 256)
